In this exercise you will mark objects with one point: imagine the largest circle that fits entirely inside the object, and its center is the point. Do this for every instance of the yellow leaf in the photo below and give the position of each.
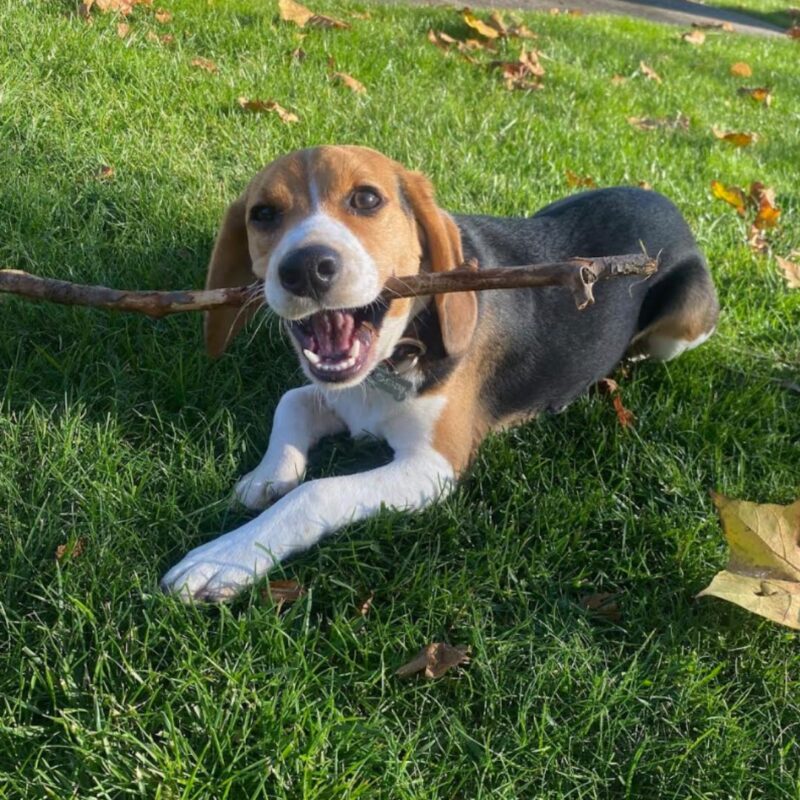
(479, 25)
(350, 82)
(767, 217)
(736, 139)
(695, 37)
(268, 106)
(791, 272)
(732, 195)
(763, 571)
(573, 179)
(776, 600)
(649, 72)
(302, 16)
(760, 94)
(741, 69)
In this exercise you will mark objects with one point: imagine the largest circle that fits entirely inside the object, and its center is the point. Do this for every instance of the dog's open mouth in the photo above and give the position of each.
(336, 344)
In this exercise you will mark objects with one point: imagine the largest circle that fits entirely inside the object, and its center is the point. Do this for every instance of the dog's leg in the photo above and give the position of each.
(678, 314)
(222, 568)
(301, 419)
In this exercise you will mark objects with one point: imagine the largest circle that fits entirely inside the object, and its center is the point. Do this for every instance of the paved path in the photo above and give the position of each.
(674, 12)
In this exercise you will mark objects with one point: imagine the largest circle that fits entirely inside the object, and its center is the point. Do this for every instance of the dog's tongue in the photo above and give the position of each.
(333, 331)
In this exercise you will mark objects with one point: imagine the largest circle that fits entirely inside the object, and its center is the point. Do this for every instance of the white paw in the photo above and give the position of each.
(257, 490)
(219, 570)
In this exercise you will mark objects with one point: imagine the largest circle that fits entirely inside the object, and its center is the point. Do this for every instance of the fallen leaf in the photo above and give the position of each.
(741, 69)
(164, 38)
(791, 271)
(435, 660)
(695, 37)
(350, 82)
(521, 74)
(74, 550)
(607, 386)
(679, 122)
(487, 31)
(573, 179)
(268, 106)
(618, 80)
(757, 240)
(768, 213)
(302, 16)
(732, 195)
(162, 16)
(205, 63)
(602, 605)
(625, 416)
(649, 72)
(793, 32)
(644, 185)
(735, 139)
(763, 570)
(366, 606)
(123, 29)
(760, 94)
(282, 593)
(104, 172)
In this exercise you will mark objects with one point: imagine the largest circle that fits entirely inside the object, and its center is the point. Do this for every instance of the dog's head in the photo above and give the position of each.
(324, 228)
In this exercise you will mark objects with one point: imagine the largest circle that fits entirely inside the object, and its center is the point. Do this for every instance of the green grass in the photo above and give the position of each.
(116, 431)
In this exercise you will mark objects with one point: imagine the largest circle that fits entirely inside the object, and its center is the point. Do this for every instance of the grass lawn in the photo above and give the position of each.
(118, 436)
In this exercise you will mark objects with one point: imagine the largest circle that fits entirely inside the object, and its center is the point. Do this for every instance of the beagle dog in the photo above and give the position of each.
(324, 228)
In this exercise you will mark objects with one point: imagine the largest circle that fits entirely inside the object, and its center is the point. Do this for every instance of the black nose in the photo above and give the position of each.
(309, 271)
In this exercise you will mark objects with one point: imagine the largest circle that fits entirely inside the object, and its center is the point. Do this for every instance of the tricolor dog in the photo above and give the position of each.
(324, 228)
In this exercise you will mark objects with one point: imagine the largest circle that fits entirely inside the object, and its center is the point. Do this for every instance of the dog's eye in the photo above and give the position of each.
(365, 199)
(264, 214)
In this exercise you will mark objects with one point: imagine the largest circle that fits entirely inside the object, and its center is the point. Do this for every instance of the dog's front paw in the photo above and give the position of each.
(219, 570)
(257, 490)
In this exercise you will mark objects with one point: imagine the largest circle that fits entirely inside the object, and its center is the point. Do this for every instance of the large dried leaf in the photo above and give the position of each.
(435, 660)
(791, 271)
(350, 82)
(760, 94)
(768, 213)
(477, 24)
(736, 139)
(763, 571)
(268, 107)
(523, 73)
(649, 72)
(732, 195)
(741, 69)
(695, 37)
(302, 16)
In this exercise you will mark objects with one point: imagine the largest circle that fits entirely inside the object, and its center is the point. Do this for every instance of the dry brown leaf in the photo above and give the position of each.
(350, 82)
(732, 195)
(366, 606)
(791, 271)
(302, 16)
(602, 605)
(695, 37)
(760, 94)
(644, 185)
(649, 72)
(768, 213)
(123, 29)
(205, 63)
(757, 240)
(625, 416)
(521, 74)
(763, 571)
(74, 550)
(618, 80)
(607, 386)
(268, 107)
(573, 179)
(735, 139)
(793, 32)
(282, 593)
(477, 24)
(162, 16)
(435, 660)
(741, 69)
(104, 172)
(679, 122)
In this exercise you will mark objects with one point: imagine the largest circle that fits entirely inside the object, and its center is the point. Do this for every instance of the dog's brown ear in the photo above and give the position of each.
(230, 265)
(441, 247)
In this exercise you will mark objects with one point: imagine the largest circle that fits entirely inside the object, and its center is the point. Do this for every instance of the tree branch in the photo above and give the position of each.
(578, 274)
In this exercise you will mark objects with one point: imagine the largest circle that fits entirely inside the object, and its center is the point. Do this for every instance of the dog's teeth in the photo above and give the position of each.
(312, 357)
(355, 349)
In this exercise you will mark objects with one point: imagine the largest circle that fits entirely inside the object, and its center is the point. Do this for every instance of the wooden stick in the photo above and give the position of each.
(577, 274)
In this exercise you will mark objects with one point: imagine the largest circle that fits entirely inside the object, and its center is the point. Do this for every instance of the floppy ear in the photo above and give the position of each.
(230, 265)
(441, 245)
